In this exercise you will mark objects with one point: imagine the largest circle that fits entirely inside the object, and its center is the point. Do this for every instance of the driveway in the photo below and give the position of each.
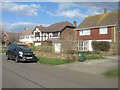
(96, 67)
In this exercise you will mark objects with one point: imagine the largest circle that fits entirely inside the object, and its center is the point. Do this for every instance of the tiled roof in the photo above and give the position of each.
(42, 28)
(58, 26)
(55, 27)
(10, 34)
(109, 18)
(26, 32)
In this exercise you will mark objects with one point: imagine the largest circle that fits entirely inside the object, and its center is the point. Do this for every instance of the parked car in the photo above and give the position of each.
(20, 52)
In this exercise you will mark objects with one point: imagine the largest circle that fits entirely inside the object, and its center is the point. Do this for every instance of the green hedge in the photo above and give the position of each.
(101, 45)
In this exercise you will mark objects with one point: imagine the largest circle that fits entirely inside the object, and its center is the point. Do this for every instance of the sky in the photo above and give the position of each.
(19, 15)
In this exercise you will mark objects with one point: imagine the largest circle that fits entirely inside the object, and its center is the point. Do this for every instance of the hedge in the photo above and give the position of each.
(101, 45)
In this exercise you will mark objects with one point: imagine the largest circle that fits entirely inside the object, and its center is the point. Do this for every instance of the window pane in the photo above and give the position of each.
(37, 34)
(85, 32)
(103, 30)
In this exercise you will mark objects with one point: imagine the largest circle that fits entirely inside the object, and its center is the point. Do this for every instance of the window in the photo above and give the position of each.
(27, 37)
(32, 36)
(83, 46)
(103, 31)
(55, 34)
(84, 32)
(37, 34)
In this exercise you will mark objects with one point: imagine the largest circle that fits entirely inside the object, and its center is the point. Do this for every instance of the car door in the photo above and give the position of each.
(13, 51)
(9, 51)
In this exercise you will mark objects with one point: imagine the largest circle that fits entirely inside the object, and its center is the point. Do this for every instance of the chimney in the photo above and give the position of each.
(105, 10)
(75, 23)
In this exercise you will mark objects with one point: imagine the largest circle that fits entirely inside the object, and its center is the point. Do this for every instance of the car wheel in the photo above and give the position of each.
(16, 59)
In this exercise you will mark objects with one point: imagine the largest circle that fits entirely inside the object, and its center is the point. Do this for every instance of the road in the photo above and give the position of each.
(36, 75)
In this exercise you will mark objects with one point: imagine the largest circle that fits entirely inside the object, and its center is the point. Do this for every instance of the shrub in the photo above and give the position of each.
(45, 48)
(34, 48)
(93, 56)
(101, 45)
(71, 52)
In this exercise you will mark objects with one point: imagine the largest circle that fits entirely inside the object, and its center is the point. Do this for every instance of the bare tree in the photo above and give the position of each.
(68, 42)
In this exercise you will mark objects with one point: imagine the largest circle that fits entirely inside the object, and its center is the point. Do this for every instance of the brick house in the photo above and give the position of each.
(10, 37)
(102, 27)
(53, 33)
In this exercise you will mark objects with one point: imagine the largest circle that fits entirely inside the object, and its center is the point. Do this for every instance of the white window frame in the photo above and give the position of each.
(85, 32)
(84, 46)
(103, 30)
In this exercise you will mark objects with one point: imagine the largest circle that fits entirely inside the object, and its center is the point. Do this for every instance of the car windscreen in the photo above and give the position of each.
(23, 47)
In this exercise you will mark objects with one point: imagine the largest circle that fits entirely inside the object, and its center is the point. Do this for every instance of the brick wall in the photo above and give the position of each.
(68, 32)
(95, 35)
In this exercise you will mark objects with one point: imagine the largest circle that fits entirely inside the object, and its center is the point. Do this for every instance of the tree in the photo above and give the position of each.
(68, 42)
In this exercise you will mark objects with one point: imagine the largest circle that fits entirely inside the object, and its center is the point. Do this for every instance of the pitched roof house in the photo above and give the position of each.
(26, 37)
(102, 27)
(53, 33)
(11, 37)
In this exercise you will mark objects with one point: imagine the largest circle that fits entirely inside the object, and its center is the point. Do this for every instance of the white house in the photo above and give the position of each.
(52, 33)
(26, 37)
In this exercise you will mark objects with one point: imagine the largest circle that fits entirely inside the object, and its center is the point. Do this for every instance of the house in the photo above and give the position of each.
(53, 33)
(39, 37)
(10, 37)
(26, 37)
(102, 27)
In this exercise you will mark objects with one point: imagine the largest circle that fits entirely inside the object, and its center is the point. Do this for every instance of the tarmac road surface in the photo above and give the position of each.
(36, 75)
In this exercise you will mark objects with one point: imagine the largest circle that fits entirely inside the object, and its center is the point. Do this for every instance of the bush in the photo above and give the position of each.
(71, 52)
(45, 48)
(101, 45)
(34, 48)
(93, 56)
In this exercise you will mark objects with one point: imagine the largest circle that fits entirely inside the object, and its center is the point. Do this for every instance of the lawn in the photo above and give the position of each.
(115, 73)
(52, 61)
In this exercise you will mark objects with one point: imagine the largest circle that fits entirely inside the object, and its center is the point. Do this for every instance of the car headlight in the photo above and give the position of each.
(21, 54)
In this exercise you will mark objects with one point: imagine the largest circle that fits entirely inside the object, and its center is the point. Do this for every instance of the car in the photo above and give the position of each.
(20, 52)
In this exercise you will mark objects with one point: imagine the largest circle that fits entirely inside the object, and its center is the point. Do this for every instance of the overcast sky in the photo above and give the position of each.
(19, 15)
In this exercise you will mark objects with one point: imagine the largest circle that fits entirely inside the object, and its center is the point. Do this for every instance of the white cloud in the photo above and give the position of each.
(69, 13)
(75, 9)
(22, 9)
(19, 26)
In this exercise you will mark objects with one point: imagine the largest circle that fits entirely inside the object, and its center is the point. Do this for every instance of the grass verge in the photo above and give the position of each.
(52, 61)
(114, 73)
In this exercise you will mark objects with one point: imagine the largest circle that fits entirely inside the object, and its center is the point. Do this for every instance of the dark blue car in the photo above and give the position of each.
(20, 52)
